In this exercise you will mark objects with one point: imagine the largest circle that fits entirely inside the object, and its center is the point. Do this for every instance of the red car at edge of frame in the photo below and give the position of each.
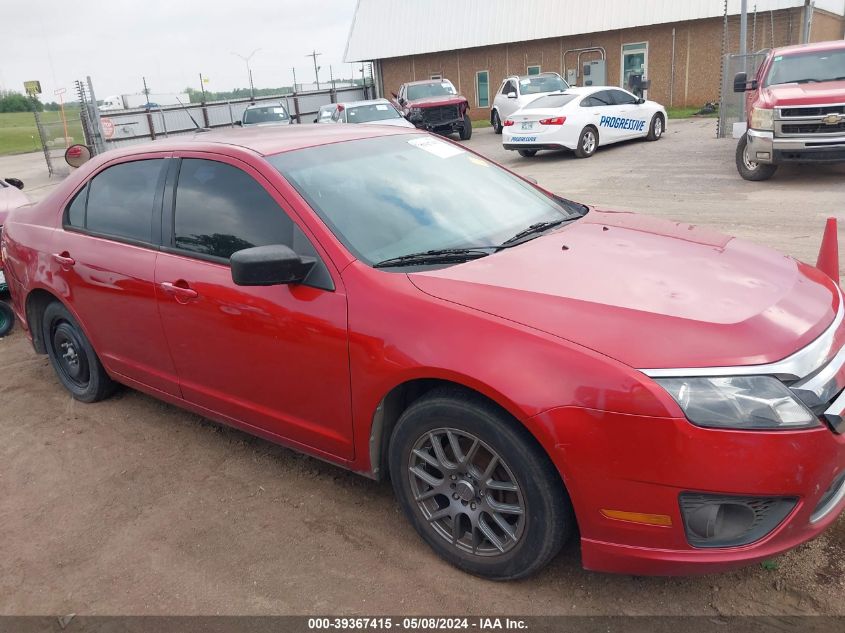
(523, 367)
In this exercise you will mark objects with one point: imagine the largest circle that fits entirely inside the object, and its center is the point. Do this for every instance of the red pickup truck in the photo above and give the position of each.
(795, 108)
(435, 106)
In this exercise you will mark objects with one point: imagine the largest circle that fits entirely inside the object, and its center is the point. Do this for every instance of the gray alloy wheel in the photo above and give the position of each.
(749, 169)
(588, 142)
(467, 492)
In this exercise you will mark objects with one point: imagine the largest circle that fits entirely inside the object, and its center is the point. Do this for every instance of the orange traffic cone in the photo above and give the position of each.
(828, 261)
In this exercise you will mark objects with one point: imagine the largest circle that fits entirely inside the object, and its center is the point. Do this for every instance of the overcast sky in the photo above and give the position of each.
(169, 42)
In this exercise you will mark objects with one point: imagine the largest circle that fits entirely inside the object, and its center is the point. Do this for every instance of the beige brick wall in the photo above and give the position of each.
(697, 57)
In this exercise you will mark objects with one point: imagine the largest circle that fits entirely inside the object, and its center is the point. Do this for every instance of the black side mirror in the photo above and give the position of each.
(15, 182)
(239, 123)
(741, 83)
(269, 266)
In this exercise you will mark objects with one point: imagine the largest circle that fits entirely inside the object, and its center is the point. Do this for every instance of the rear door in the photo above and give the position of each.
(273, 358)
(105, 258)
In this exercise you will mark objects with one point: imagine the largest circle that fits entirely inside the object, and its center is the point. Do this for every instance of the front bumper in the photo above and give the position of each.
(611, 461)
(765, 148)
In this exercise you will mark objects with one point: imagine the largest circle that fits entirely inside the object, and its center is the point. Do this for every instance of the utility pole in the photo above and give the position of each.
(146, 90)
(202, 87)
(743, 28)
(293, 70)
(249, 71)
(314, 55)
(808, 21)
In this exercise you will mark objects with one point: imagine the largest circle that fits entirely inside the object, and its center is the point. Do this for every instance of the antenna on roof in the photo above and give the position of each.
(188, 112)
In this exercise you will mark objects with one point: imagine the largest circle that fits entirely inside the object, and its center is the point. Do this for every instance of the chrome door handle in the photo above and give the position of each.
(64, 259)
(180, 292)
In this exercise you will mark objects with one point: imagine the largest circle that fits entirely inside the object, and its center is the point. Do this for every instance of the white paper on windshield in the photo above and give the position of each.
(524, 82)
(381, 107)
(279, 111)
(438, 148)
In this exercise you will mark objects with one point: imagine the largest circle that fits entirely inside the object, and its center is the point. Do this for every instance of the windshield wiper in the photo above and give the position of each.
(439, 256)
(534, 229)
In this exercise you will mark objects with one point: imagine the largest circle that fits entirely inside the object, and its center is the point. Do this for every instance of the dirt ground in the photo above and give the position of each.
(132, 506)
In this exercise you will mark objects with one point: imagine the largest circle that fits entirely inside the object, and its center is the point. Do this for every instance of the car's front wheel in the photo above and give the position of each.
(749, 169)
(496, 121)
(466, 128)
(655, 129)
(477, 488)
(72, 357)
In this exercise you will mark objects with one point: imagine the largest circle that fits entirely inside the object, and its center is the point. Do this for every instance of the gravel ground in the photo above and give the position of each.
(132, 506)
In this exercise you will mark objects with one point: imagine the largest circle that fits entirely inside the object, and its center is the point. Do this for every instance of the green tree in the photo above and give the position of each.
(15, 102)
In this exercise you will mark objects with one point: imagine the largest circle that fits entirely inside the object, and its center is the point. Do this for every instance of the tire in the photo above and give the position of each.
(466, 128)
(527, 541)
(497, 122)
(7, 319)
(587, 147)
(527, 153)
(72, 357)
(656, 128)
(748, 169)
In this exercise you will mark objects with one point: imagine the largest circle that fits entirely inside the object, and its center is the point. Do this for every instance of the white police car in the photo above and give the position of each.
(581, 119)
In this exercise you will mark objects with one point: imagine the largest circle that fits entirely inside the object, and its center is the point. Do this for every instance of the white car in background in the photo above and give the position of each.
(516, 92)
(373, 112)
(265, 114)
(581, 119)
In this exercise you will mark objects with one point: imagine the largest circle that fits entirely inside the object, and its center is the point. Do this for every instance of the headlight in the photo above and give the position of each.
(762, 119)
(739, 402)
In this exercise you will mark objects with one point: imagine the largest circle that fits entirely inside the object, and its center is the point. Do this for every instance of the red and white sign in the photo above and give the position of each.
(108, 127)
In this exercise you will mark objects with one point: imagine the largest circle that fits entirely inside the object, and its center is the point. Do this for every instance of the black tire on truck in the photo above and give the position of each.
(496, 121)
(747, 168)
(466, 128)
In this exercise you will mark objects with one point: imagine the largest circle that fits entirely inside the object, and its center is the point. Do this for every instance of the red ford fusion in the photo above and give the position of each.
(524, 368)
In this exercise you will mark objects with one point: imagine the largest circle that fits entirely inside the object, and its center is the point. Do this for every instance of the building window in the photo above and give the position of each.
(533, 70)
(482, 88)
(436, 77)
(634, 68)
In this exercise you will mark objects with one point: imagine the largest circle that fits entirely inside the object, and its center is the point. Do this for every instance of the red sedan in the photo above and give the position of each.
(522, 367)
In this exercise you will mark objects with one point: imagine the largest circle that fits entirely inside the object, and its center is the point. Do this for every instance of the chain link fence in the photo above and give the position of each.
(732, 104)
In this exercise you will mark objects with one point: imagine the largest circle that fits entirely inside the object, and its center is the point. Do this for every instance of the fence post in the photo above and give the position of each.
(151, 125)
(296, 107)
(231, 115)
(205, 115)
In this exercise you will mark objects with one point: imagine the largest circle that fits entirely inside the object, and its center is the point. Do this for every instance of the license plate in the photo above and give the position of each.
(527, 125)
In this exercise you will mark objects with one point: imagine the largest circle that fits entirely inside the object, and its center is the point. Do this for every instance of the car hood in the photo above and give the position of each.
(832, 92)
(649, 293)
(391, 122)
(430, 102)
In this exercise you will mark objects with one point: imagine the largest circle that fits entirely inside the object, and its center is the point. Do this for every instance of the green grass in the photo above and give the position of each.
(18, 133)
(685, 113)
(479, 123)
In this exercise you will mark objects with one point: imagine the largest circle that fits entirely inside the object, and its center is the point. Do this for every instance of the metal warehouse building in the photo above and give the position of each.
(676, 45)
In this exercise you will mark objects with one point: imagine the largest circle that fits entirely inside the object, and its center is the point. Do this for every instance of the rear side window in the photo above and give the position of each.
(221, 209)
(598, 99)
(119, 201)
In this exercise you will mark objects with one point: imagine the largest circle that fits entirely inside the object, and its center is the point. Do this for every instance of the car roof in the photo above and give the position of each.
(264, 141)
(425, 81)
(546, 74)
(811, 48)
(352, 104)
(265, 104)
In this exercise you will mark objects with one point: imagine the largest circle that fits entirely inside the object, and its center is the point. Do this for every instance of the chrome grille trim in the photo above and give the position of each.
(800, 365)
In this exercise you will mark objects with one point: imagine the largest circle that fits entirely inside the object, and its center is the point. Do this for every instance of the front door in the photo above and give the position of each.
(635, 67)
(273, 358)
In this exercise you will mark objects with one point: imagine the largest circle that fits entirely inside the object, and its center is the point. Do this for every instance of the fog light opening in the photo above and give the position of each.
(731, 521)
(724, 521)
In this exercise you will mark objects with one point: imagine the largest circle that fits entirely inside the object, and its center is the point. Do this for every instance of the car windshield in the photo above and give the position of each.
(268, 114)
(433, 89)
(552, 101)
(371, 112)
(326, 114)
(397, 195)
(813, 67)
(541, 83)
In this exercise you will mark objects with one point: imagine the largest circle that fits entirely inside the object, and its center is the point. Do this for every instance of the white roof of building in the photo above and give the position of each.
(393, 28)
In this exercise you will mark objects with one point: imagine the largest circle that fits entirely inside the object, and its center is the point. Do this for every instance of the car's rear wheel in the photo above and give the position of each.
(466, 128)
(655, 130)
(72, 357)
(749, 169)
(496, 122)
(588, 142)
(476, 487)
(7, 319)
(527, 153)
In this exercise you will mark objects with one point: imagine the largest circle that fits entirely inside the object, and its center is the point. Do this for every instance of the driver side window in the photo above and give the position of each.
(508, 88)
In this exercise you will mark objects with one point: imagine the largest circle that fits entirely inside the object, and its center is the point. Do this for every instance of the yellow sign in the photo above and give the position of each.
(32, 87)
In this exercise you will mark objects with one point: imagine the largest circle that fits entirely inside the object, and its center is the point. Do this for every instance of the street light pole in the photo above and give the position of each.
(249, 71)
